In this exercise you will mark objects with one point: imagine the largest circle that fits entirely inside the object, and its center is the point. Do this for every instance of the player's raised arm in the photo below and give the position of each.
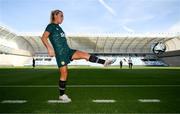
(44, 39)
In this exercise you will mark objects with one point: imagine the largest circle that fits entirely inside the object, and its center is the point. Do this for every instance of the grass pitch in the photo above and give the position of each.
(141, 90)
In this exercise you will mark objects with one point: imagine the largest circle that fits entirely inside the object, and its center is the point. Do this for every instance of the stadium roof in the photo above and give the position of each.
(93, 43)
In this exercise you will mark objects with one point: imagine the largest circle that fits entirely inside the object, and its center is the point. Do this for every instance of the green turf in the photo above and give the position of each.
(126, 97)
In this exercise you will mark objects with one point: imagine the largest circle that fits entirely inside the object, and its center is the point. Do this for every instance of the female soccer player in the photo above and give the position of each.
(63, 53)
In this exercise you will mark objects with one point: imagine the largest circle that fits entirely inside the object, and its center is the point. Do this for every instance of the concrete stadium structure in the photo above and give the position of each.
(18, 50)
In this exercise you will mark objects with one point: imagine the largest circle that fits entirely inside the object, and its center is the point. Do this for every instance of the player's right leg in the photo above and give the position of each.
(92, 58)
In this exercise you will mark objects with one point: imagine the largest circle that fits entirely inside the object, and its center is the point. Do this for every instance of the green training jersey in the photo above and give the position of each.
(58, 40)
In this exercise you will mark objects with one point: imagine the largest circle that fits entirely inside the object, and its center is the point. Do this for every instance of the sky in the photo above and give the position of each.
(93, 16)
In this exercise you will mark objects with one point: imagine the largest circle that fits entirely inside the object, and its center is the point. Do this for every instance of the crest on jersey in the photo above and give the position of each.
(62, 62)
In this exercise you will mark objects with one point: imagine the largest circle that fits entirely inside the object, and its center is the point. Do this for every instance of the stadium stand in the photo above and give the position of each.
(172, 58)
(18, 50)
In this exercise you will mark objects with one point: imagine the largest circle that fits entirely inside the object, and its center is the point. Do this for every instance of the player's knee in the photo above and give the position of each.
(63, 76)
(87, 56)
(64, 72)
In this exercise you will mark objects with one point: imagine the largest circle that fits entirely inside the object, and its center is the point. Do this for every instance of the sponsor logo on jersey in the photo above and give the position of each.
(62, 34)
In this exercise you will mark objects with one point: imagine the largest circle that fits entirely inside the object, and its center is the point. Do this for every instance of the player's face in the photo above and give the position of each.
(59, 18)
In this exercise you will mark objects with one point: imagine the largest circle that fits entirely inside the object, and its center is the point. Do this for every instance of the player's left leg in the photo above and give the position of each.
(92, 58)
(62, 84)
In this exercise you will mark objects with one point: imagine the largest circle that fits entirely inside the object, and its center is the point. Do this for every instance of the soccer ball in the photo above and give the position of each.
(159, 48)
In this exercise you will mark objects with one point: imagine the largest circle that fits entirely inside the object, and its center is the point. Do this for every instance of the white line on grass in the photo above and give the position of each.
(93, 113)
(85, 86)
(57, 101)
(149, 100)
(14, 101)
(104, 101)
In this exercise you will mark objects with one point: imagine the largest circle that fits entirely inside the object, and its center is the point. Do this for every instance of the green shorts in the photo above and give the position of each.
(64, 56)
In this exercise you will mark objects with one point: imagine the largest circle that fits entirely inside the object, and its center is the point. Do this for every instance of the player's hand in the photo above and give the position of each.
(51, 52)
